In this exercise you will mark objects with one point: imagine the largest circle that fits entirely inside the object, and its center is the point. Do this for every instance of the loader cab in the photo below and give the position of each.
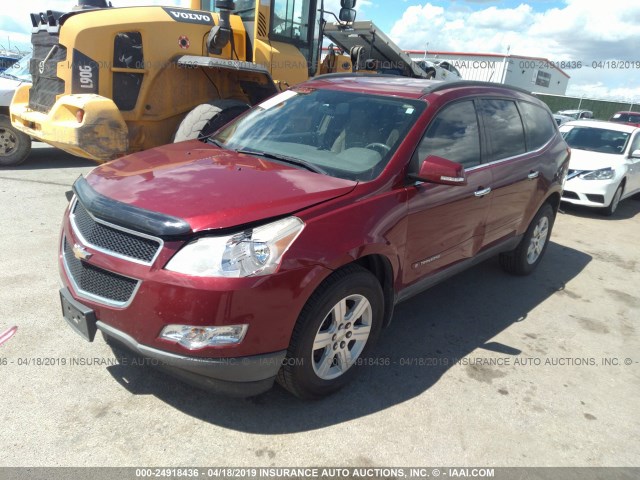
(284, 35)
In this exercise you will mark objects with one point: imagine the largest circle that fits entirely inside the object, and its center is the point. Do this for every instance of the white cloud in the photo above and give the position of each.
(582, 30)
(510, 19)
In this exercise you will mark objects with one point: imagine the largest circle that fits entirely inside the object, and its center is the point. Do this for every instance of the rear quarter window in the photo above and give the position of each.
(539, 125)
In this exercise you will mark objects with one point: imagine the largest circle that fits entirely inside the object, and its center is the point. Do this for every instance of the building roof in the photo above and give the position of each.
(494, 55)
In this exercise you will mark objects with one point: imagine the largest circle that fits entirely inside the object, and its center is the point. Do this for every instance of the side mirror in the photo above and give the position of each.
(441, 171)
(347, 15)
(348, 3)
(635, 154)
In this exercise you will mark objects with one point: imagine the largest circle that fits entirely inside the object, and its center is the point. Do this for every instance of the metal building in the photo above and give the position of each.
(530, 73)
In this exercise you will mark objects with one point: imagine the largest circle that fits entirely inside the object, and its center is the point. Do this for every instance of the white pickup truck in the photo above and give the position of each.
(14, 145)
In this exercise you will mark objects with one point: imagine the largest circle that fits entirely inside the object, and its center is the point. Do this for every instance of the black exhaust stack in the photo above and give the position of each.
(220, 35)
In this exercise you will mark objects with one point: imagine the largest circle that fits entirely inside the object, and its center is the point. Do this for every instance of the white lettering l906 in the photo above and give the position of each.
(86, 76)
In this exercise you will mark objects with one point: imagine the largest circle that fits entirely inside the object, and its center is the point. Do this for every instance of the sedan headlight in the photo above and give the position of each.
(255, 251)
(602, 174)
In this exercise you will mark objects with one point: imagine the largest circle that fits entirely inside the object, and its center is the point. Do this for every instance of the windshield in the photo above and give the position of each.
(20, 69)
(596, 139)
(345, 134)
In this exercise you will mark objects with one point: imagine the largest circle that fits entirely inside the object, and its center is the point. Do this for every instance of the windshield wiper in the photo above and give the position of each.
(283, 158)
(8, 75)
(215, 142)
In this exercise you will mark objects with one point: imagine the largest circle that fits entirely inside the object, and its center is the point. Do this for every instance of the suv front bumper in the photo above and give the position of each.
(237, 376)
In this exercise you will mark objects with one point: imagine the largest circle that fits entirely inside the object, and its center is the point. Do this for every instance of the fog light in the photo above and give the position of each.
(195, 338)
(80, 115)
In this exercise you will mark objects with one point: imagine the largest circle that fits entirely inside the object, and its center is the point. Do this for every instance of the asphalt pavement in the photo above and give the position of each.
(485, 369)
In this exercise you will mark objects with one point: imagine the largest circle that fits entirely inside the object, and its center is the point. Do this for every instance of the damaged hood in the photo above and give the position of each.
(212, 188)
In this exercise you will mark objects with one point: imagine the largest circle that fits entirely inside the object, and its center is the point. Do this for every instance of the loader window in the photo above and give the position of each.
(127, 54)
(206, 5)
(293, 21)
(245, 9)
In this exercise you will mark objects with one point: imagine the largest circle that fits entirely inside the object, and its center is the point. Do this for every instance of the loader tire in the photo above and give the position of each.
(207, 118)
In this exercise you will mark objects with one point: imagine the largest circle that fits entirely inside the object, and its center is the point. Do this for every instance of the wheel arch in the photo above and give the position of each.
(381, 268)
(623, 183)
(554, 200)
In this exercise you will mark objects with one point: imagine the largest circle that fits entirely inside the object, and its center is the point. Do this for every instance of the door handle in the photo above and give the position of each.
(483, 192)
(533, 175)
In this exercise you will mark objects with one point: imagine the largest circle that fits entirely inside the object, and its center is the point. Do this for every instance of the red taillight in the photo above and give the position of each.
(80, 115)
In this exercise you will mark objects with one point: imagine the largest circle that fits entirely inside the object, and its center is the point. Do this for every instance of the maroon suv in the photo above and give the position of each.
(278, 247)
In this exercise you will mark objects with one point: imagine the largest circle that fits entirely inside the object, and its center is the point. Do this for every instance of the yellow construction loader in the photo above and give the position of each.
(112, 81)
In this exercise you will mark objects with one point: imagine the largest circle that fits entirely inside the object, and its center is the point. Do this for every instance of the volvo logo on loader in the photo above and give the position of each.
(189, 16)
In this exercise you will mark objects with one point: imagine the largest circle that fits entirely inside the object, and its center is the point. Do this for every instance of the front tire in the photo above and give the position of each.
(527, 255)
(338, 325)
(615, 201)
(207, 118)
(15, 146)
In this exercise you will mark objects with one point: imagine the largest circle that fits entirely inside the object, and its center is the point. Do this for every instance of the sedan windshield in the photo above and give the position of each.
(596, 139)
(343, 134)
(19, 70)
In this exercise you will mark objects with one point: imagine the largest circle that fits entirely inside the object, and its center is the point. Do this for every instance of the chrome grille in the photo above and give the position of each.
(112, 240)
(95, 283)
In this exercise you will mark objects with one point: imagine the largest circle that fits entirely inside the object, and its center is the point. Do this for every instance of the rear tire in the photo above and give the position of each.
(207, 118)
(615, 201)
(523, 259)
(338, 325)
(15, 146)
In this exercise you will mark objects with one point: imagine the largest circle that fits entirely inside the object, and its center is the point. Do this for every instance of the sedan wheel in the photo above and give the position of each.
(615, 201)
(15, 146)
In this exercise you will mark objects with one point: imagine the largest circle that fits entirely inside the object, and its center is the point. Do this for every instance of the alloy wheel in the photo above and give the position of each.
(538, 240)
(341, 337)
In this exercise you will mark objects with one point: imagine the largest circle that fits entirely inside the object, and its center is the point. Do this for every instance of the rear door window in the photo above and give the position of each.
(503, 127)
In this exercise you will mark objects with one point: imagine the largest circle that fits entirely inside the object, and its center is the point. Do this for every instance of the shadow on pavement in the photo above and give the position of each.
(43, 156)
(448, 321)
(627, 209)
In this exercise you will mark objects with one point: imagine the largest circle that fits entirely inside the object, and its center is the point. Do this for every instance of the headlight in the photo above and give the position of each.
(255, 251)
(602, 174)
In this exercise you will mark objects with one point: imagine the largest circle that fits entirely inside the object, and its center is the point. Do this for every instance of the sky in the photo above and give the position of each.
(587, 31)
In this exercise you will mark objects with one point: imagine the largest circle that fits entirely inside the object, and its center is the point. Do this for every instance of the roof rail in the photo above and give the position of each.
(355, 75)
(436, 85)
(473, 83)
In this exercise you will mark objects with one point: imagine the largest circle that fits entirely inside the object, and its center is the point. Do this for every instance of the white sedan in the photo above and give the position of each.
(605, 163)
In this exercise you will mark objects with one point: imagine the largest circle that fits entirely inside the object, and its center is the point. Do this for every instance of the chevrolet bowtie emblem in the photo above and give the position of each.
(80, 253)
